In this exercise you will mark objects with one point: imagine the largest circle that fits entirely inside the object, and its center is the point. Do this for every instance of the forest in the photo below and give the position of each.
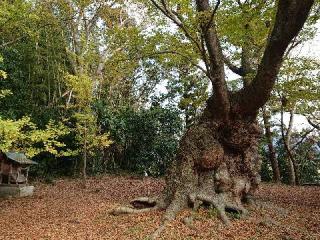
(202, 110)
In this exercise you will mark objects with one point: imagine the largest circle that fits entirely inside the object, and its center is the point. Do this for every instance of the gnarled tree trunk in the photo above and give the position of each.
(217, 163)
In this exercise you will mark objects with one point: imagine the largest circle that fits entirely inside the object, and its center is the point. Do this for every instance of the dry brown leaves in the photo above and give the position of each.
(67, 211)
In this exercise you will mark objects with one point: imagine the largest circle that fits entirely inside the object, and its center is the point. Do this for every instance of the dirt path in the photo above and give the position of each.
(65, 211)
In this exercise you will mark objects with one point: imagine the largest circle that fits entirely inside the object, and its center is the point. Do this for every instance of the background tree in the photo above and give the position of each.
(145, 141)
(271, 149)
(23, 136)
(86, 130)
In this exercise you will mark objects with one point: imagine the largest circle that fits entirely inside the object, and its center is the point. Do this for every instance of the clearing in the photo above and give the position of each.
(66, 211)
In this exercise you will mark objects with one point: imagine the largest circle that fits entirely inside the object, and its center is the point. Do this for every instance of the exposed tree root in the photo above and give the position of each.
(130, 210)
(220, 201)
(139, 205)
(159, 230)
(171, 211)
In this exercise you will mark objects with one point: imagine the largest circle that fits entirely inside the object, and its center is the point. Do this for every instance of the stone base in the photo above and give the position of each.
(15, 191)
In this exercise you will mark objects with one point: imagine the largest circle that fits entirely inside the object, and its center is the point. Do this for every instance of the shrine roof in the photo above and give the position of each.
(19, 158)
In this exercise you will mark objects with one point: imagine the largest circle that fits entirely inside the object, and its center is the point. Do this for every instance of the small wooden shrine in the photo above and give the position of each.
(14, 168)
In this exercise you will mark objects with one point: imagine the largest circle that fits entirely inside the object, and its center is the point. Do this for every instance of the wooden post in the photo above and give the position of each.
(17, 178)
(9, 175)
(18, 175)
(27, 174)
(1, 170)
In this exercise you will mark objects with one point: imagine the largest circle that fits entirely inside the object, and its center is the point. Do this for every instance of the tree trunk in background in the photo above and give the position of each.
(292, 164)
(84, 163)
(289, 148)
(296, 172)
(272, 153)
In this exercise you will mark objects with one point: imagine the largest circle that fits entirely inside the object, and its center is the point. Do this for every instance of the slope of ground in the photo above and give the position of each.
(66, 211)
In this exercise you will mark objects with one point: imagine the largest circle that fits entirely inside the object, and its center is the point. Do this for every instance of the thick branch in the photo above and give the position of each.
(214, 63)
(233, 68)
(221, 96)
(205, 55)
(213, 13)
(290, 17)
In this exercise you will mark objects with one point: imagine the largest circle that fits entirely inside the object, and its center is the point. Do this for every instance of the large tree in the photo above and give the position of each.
(218, 161)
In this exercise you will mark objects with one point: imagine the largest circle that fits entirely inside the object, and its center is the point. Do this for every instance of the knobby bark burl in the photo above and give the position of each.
(218, 162)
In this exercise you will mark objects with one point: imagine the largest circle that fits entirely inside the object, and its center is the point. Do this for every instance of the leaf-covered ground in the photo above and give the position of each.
(66, 211)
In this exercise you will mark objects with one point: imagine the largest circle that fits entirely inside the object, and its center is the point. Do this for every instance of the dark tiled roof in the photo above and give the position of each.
(19, 158)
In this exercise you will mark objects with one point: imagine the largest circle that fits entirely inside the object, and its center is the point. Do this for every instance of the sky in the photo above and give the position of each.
(312, 48)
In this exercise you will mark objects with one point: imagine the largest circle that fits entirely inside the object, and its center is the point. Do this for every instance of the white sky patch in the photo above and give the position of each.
(300, 122)
(137, 11)
(231, 75)
(309, 49)
(312, 48)
(161, 88)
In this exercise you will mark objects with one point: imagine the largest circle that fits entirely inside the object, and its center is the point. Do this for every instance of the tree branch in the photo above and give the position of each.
(290, 17)
(213, 13)
(11, 42)
(313, 124)
(177, 20)
(187, 58)
(204, 54)
(190, 60)
(286, 138)
(294, 43)
(302, 138)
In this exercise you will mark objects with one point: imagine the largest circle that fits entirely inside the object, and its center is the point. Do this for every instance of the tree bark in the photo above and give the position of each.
(272, 153)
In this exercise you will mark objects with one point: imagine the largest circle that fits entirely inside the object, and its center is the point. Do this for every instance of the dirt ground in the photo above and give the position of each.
(64, 210)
